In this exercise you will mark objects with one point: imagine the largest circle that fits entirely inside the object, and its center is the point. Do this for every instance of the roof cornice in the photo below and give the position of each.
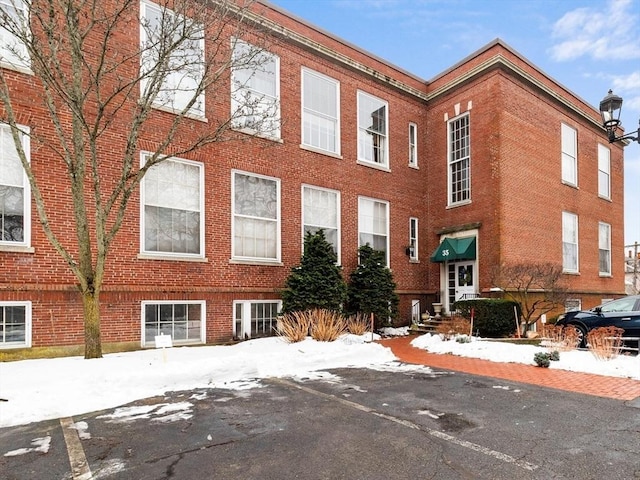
(497, 61)
(331, 54)
(503, 62)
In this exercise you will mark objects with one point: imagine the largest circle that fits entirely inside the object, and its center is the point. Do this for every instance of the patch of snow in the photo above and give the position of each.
(39, 445)
(626, 366)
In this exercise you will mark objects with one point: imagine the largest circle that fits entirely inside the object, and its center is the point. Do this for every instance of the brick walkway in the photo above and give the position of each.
(598, 385)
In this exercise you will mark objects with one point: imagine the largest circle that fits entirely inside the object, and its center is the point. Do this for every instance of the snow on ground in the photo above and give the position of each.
(574, 360)
(34, 390)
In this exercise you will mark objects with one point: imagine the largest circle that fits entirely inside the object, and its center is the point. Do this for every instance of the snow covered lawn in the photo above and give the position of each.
(43, 389)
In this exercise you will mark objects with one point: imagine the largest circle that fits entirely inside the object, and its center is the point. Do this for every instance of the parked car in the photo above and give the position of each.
(622, 313)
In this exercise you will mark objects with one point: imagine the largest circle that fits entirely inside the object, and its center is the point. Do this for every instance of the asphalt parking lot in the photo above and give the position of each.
(344, 424)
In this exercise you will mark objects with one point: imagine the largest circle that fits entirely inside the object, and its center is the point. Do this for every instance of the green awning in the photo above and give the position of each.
(453, 249)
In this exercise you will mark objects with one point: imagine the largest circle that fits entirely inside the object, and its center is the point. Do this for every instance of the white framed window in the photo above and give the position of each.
(320, 112)
(373, 224)
(15, 193)
(181, 75)
(604, 171)
(373, 130)
(413, 238)
(413, 145)
(15, 324)
(572, 305)
(569, 242)
(569, 155)
(255, 90)
(13, 52)
(255, 318)
(172, 208)
(459, 171)
(321, 211)
(183, 320)
(256, 217)
(604, 248)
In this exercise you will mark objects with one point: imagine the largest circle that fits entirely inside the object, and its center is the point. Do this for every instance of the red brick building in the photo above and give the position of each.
(493, 158)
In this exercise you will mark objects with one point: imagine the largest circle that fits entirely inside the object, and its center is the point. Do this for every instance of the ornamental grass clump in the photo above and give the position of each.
(326, 325)
(605, 343)
(294, 326)
(358, 324)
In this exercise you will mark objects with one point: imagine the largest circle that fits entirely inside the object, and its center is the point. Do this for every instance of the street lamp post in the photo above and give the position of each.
(610, 109)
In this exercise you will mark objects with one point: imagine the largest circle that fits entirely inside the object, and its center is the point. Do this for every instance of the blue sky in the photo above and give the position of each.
(587, 46)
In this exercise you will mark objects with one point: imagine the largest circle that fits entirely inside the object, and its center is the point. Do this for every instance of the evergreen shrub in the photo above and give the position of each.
(493, 317)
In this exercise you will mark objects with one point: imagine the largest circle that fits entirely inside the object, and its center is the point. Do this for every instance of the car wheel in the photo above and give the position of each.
(582, 335)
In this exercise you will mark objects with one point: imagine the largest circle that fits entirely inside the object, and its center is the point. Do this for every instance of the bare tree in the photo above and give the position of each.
(95, 85)
(537, 287)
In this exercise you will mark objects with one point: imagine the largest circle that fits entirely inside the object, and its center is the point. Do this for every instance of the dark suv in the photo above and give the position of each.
(622, 313)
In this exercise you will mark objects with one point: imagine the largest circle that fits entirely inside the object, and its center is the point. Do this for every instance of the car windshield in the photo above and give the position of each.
(621, 305)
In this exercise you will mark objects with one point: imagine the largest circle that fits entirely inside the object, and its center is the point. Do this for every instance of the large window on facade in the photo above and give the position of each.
(569, 242)
(184, 321)
(459, 161)
(604, 171)
(255, 90)
(569, 155)
(413, 145)
(15, 199)
(320, 112)
(372, 130)
(373, 224)
(255, 318)
(180, 75)
(15, 324)
(604, 248)
(172, 208)
(321, 211)
(413, 238)
(13, 53)
(256, 217)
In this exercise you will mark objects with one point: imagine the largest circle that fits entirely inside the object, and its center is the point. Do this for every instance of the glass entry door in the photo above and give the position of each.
(461, 281)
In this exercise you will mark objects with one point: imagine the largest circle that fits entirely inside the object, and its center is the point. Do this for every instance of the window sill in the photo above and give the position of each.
(570, 272)
(191, 116)
(415, 167)
(16, 68)
(377, 166)
(414, 260)
(605, 275)
(17, 249)
(459, 204)
(255, 133)
(606, 199)
(326, 153)
(256, 261)
(148, 256)
(569, 184)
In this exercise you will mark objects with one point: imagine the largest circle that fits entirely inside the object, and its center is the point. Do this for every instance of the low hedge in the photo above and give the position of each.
(493, 317)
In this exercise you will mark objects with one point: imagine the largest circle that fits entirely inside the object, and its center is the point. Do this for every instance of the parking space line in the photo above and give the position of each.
(409, 424)
(79, 466)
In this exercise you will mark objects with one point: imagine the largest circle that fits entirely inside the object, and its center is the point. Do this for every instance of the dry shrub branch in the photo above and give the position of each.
(605, 342)
(452, 326)
(562, 339)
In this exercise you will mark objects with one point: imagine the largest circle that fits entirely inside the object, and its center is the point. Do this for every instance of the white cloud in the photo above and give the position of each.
(611, 33)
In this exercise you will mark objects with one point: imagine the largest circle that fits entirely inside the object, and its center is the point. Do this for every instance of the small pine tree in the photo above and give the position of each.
(317, 282)
(372, 289)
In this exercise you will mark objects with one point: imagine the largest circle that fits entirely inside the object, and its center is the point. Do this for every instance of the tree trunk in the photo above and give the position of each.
(92, 341)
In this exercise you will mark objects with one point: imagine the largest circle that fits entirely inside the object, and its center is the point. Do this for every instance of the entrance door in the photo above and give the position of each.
(461, 281)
